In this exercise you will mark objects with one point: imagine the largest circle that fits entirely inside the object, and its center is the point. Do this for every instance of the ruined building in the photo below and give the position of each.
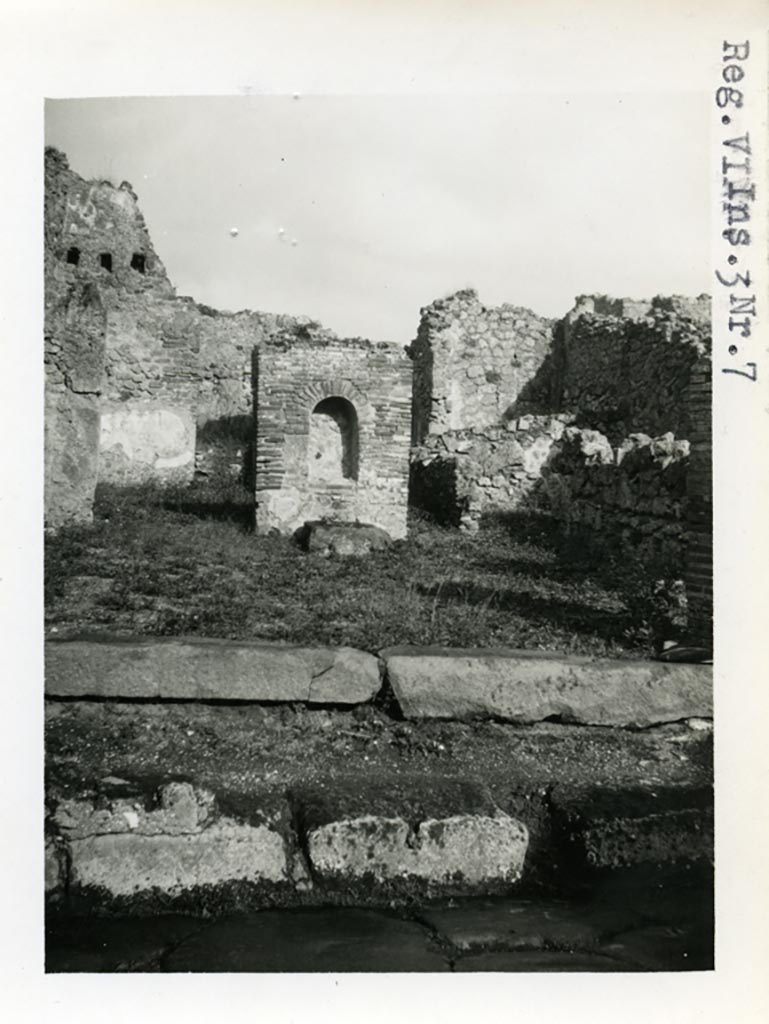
(143, 384)
(600, 419)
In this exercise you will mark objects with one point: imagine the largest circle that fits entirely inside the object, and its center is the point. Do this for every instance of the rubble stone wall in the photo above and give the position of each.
(632, 497)
(625, 367)
(459, 476)
(74, 353)
(472, 363)
(600, 420)
(74, 372)
(163, 354)
(332, 433)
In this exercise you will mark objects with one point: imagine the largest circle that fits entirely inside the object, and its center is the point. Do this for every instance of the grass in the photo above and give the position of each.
(184, 562)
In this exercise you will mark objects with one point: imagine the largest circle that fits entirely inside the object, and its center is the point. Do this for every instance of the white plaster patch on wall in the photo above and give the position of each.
(174, 461)
(140, 441)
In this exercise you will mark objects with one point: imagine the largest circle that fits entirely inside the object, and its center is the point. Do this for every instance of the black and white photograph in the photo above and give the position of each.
(382, 502)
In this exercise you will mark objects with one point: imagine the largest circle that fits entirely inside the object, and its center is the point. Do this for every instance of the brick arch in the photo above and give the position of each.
(307, 397)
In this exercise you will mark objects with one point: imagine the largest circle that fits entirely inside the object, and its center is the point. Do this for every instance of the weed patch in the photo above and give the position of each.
(185, 562)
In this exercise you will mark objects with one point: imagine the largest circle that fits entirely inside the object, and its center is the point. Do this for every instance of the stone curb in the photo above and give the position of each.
(472, 850)
(619, 828)
(526, 687)
(168, 844)
(194, 669)
(182, 846)
(428, 682)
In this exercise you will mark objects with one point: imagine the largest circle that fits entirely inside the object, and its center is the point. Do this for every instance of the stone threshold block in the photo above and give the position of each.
(474, 848)
(404, 837)
(614, 828)
(126, 865)
(196, 669)
(127, 846)
(526, 686)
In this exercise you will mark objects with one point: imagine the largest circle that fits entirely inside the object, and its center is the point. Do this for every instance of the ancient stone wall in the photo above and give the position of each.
(332, 433)
(472, 363)
(592, 420)
(75, 325)
(458, 476)
(631, 498)
(624, 366)
(97, 243)
(176, 393)
(74, 351)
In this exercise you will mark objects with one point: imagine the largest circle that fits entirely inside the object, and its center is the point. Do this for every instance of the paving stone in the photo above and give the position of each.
(515, 924)
(97, 945)
(202, 669)
(675, 894)
(526, 686)
(539, 960)
(664, 948)
(307, 941)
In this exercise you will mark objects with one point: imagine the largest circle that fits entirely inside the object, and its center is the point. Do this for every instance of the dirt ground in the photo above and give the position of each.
(248, 746)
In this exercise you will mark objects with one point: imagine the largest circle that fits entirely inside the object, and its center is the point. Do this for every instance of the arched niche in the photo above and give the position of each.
(332, 454)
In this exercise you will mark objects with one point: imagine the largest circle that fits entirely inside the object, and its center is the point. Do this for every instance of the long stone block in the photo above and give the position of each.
(521, 686)
(127, 864)
(473, 849)
(192, 669)
(409, 832)
(614, 828)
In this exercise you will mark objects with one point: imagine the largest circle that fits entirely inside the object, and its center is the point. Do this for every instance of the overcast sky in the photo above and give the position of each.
(359, 210)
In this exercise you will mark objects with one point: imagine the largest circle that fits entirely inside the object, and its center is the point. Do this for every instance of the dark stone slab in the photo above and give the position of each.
(664, 948)
(518, 925)
(614, 827)
(533, 961)
(309, 941)
(104, 945)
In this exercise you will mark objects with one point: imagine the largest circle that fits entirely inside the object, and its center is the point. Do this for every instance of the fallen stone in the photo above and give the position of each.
(308, 941)
(524, 687)
(343, 539)
(193, 669)
(128, 864)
